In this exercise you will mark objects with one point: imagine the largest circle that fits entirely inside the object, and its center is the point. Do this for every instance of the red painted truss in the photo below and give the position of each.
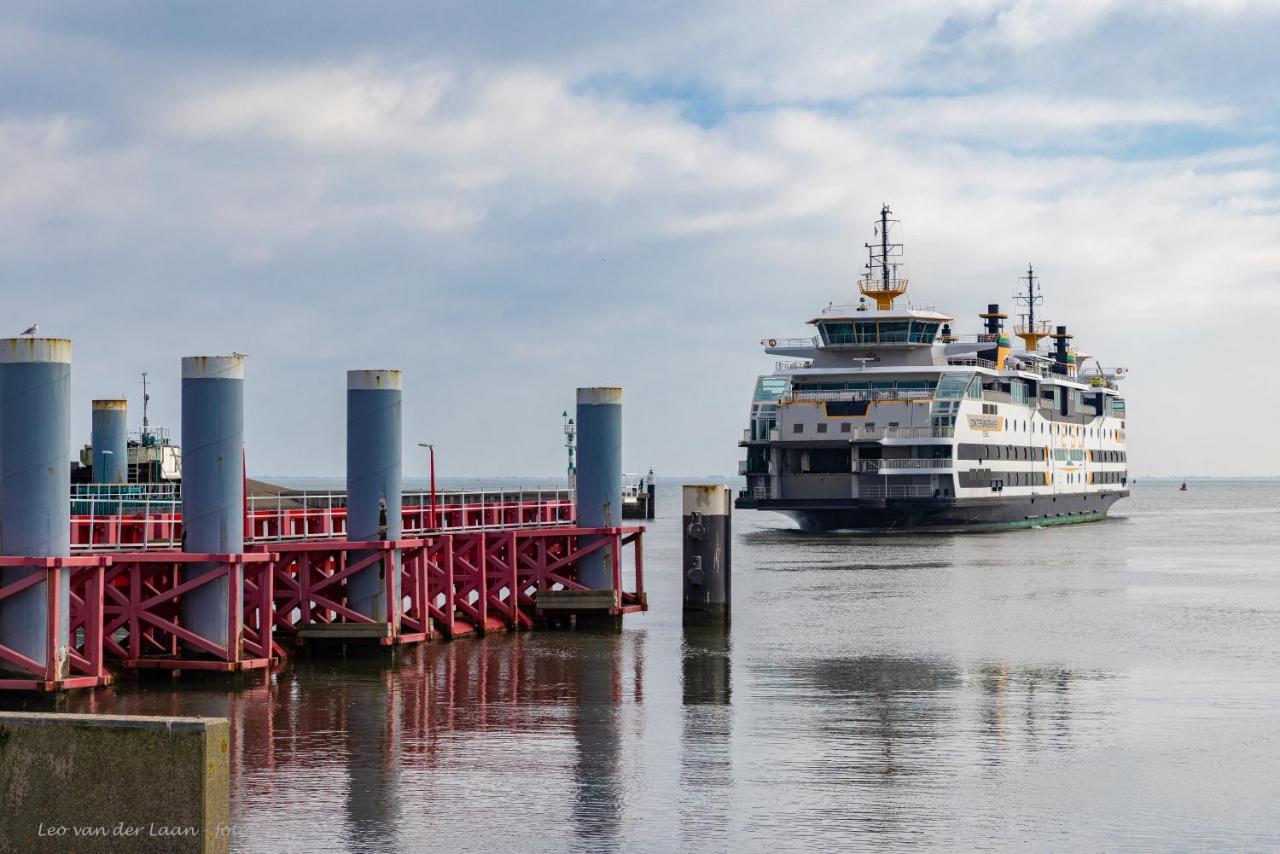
(78, 664)
(126, 607)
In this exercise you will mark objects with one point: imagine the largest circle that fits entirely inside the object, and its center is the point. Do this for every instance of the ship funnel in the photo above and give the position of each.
(994, 319)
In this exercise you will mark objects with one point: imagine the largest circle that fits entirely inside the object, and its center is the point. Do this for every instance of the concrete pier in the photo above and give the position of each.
(35, 485)
(109, 441)
(90, 783)
(707, 554)
(599, 476)
(212, 481)
(373, 480)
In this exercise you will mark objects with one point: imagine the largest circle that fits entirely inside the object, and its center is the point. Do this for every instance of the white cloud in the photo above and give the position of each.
(505, 224)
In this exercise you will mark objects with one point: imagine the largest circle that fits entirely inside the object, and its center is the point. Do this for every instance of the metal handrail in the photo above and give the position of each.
(868, 394)
(287, 513)
(878, 433)
(773, 343)
(895, 491)
(913, 463)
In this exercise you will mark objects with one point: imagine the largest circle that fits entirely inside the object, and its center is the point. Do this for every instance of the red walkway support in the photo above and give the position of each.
(311, 591)
(142, 607)
(79, 665)
(126, 607)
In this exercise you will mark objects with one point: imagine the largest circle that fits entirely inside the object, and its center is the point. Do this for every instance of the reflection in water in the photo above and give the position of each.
(595, 677)
(965, 692)
(370, 718)
(1045, 718)
(706, 760)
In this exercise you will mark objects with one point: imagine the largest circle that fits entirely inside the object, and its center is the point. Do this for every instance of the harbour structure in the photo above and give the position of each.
(224, 601)
(639, 496)
(887, 420)
(109, 441)
(148, 456)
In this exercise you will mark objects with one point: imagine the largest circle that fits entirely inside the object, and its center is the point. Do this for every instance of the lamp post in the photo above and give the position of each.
(432, 450)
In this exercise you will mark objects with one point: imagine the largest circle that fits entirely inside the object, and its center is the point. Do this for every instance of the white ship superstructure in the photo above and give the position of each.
(885, 419)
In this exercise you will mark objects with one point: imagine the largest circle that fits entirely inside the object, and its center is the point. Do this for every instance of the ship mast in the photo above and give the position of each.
(1030, 331)
(881, 281)
(146, 399)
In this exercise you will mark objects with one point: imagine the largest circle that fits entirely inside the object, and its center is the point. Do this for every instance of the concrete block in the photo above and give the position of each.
(90, 783)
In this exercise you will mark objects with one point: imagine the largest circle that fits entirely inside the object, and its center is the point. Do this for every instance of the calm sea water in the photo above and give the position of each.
(1106, 686)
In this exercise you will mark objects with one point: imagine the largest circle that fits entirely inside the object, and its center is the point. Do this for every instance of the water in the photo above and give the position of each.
(1104, 686)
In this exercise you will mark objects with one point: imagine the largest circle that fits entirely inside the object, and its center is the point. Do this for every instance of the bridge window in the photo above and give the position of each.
(894, 331)
(864, 332)
(836, 333)
(923, 332)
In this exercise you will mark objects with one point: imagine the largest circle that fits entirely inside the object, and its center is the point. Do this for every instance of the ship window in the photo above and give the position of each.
(836, 333)
(770, 389)
(952, 386)
(822, 428)
(922, 332)
(846, 427)
(865, 332)
(797, 428)
(894, 331)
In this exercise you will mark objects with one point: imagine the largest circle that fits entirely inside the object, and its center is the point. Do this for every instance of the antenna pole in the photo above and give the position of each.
(884, 245)
(1031, 303)
(146, 399)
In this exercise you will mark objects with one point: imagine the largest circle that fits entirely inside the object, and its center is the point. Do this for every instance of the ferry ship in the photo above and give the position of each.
(887, 420)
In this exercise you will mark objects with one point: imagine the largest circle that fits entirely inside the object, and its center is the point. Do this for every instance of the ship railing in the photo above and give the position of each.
(153, 519)
(867, 394)
(971, 362)
(788, 343)
(975, 338)
(906, 463)
(875, 434)
(896, 491)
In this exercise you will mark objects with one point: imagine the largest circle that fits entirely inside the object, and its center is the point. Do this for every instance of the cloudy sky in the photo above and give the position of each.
(509, 200)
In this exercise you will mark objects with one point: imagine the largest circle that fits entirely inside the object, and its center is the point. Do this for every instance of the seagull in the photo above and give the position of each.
(31, 330)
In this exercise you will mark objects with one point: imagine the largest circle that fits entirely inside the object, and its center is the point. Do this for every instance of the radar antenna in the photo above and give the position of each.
(881, 281)
(1030, 330)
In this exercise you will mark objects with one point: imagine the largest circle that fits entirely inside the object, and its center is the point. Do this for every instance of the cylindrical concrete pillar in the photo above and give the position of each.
(599, 477)
(110, 448)
(212, 482)
(373, 482)
(35, 484)
(707, 554)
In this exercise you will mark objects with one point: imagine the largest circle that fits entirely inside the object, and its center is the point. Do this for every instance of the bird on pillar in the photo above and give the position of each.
(31, 330)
